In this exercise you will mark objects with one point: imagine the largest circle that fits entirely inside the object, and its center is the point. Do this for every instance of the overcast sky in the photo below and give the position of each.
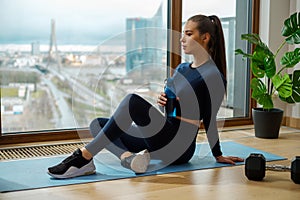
(86, 21)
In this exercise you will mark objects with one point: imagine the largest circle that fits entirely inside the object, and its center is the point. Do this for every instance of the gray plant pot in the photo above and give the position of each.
(267, 123)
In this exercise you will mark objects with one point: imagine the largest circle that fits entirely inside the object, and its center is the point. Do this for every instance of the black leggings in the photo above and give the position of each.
(138, 125)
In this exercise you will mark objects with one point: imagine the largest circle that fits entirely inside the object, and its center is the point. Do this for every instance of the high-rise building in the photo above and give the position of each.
(35, 48)
(144, 41)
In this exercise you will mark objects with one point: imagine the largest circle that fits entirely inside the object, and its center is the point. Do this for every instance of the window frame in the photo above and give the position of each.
(174, 23)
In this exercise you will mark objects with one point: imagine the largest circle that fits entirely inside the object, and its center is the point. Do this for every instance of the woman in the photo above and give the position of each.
(138, 131)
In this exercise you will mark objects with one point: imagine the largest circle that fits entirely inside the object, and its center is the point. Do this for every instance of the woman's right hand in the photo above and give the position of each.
(162, 99)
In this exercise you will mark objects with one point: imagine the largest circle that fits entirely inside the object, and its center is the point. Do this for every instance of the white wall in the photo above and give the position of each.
(272, 15)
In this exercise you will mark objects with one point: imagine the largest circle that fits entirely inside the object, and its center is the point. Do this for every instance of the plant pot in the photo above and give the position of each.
(267, 122)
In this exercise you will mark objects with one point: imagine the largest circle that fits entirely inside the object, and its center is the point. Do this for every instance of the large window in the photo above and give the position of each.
(63, 63)
(66, 62)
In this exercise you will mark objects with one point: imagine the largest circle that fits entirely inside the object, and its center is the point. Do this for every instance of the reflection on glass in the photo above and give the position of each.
(64, 63)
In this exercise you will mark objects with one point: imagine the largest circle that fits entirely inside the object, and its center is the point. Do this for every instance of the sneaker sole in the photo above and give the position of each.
(72, 172)
(140, 162)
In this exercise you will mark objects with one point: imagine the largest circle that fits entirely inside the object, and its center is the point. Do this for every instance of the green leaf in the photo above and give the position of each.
(255, 39)
(241, 52)
(258, 88)
(262, 62)
(260, 94)
(295, 97)
(290, 59)
(283, 84)
(262, 59)
(270, 66)
(296, 78)
(263, 49)
(266, 101)
(291, 29)
(257, 71)
(252, 38)
(259, 57)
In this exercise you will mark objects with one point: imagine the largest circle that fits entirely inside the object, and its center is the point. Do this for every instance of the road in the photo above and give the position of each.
(67, 118)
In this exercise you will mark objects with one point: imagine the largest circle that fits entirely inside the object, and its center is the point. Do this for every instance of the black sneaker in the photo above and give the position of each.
(137, 162)
(72, 166)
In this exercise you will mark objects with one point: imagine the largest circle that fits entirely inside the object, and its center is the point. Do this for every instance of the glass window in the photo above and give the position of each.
(235, 18)
(63, 63)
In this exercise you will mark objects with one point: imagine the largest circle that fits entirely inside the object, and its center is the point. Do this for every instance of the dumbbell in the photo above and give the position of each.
(255, 168)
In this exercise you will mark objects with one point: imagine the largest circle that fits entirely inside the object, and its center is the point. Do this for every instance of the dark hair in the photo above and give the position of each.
(216, 45)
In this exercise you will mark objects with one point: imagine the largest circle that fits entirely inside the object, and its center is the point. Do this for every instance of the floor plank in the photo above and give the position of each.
(220, 183)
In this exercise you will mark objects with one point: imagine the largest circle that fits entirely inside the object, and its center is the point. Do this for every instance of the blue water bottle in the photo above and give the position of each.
(170, 107)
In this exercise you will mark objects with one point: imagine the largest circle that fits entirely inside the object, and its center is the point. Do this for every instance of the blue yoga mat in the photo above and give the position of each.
(31, 173)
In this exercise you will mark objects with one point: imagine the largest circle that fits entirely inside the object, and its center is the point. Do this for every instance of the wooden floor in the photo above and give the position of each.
(212, 184)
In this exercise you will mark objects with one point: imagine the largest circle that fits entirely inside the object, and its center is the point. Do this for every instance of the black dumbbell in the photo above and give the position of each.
(255, 167)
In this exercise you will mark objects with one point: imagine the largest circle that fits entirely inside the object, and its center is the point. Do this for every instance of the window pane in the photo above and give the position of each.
(235, 19)
(63, 63)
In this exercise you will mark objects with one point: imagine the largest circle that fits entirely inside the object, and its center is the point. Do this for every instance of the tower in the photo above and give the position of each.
(53, 52)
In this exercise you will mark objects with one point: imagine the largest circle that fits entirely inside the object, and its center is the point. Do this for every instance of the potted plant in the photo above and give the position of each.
(270, 81)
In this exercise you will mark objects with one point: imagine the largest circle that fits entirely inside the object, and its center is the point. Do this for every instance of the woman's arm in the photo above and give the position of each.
(213, 139)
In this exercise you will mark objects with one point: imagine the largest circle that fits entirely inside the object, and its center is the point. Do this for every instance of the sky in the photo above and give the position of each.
(85, 21)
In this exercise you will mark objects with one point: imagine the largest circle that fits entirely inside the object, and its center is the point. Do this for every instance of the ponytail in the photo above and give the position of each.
(218, 50)
(216, 45)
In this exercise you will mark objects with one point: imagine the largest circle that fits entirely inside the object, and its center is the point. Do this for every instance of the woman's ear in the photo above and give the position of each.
(205, 37)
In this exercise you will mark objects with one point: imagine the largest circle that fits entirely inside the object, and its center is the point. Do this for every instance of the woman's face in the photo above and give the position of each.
(192, 42)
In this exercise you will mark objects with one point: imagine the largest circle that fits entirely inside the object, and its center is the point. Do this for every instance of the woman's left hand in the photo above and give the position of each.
(229, 159)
